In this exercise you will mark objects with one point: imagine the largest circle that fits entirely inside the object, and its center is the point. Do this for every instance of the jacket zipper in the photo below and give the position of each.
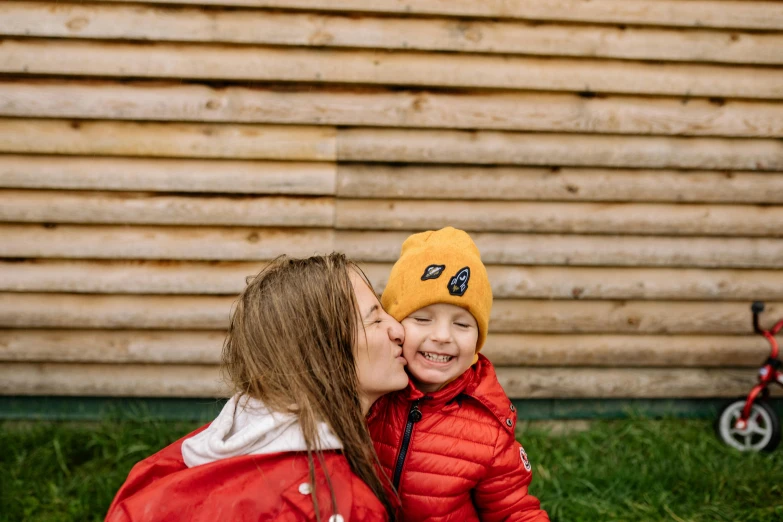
(414, 416)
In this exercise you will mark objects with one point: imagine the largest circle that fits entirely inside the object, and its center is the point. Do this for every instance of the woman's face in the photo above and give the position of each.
(379, 362)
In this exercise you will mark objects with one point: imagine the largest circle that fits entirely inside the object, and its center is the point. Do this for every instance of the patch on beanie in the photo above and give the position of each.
(433, 272)
(459, 283)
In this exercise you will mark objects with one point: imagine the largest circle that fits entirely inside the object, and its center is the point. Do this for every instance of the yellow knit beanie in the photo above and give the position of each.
(442, 266)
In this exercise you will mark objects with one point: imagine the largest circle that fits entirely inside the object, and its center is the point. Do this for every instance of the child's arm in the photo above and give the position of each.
(502, 494)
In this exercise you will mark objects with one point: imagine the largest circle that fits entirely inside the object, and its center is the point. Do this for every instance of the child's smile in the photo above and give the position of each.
(440, 344)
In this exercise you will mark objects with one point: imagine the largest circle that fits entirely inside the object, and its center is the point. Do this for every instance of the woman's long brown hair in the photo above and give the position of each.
(290, 344)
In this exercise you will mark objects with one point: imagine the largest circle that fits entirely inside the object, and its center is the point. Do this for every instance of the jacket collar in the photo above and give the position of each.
(479, 382)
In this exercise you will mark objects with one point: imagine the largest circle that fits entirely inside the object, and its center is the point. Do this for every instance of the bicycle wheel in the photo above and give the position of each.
(762, 432)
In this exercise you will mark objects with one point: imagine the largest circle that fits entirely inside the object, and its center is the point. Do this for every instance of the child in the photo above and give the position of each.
(447, 441)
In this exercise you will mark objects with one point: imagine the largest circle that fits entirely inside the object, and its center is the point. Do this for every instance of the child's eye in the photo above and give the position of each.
(462, 325)
(421, 319)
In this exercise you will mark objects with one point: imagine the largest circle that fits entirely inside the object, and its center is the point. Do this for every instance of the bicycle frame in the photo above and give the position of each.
(769, 373)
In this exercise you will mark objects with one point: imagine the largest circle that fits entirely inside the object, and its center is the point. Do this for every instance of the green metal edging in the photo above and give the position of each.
(204, 410)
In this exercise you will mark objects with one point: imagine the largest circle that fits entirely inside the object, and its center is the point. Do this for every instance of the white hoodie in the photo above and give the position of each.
(246, 427)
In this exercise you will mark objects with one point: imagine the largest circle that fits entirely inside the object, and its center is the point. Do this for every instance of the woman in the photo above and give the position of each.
(309, 349)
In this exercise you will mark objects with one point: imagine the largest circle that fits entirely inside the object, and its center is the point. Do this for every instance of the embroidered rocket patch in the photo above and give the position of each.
(523, 456)
(433, 272)
(459, 283)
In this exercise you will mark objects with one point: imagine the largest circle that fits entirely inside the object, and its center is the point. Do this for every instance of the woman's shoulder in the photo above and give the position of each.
(257, 487)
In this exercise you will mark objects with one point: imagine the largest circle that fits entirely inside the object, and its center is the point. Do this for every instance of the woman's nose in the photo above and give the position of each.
(396, 331)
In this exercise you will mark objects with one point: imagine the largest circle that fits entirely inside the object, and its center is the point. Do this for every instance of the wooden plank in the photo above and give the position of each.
(228, 278)
(548, 282)
(558, 184)
(497, 148)
(626, 350)
(116, 346)
(563, 383)
(376, 107)
(127, 277)
(189, 140)
(204, 381)
(39, 310)
(150, 242)
(113, 380)
(234, 244)
(186, 24)
(114, 312)
(545, 217)
(223, 62)
(167, 175)
(530, 350)
(543, 249)
(145, 208)
(693, 13)
(655, 317)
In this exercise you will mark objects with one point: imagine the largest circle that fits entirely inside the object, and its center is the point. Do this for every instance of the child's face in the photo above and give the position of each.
(440, 342)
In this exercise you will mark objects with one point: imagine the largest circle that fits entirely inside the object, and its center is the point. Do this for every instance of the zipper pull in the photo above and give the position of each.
(414, 415)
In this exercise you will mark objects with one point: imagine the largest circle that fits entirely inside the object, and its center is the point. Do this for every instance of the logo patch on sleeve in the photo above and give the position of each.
(459, 283)
(433, 272)
(523, 456)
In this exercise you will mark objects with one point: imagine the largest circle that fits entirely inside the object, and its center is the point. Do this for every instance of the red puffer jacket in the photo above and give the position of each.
(244, 488)
(452, 455)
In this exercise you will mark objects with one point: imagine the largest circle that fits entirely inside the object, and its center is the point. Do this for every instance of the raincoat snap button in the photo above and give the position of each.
(304, 488)
(336, 518)
(509, 422)
(513, 408)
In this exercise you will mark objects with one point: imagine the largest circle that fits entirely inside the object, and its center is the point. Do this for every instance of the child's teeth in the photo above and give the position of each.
(437, 358)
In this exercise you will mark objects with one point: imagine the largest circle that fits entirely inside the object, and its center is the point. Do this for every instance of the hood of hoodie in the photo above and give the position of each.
(246, 427)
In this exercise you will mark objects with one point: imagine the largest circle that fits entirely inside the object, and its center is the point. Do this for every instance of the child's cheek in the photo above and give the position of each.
(411, 344)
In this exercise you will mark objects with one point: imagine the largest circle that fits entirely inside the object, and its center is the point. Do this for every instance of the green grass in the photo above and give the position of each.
(634, 470)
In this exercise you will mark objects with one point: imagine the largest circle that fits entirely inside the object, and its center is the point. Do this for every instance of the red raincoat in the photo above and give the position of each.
(244, 488)
(452, 454)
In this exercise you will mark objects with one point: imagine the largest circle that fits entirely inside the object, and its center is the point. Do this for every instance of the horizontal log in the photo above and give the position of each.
(560, 184)
(540, 217)
(114, 312)
(114, 138)
(127, 277)
(33, 310)
(117, 346)
(547, 282)
(224, 62)
(693, 13)
(375, 107)
(491, 147)
(204, 347)
(235, 244)
(383, 181)
(144, 208)
(189, 140)
(228, 278)
(113, 380)
(655, 317)
(146, 23)
(197, 243)
(648, 383)
(167, 175)
(626, 350)
(520, 383)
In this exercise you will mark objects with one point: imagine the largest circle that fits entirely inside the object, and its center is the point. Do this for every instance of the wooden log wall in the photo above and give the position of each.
(620, 165)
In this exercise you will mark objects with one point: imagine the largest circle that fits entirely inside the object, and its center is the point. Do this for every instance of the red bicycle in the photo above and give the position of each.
(751, 424)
